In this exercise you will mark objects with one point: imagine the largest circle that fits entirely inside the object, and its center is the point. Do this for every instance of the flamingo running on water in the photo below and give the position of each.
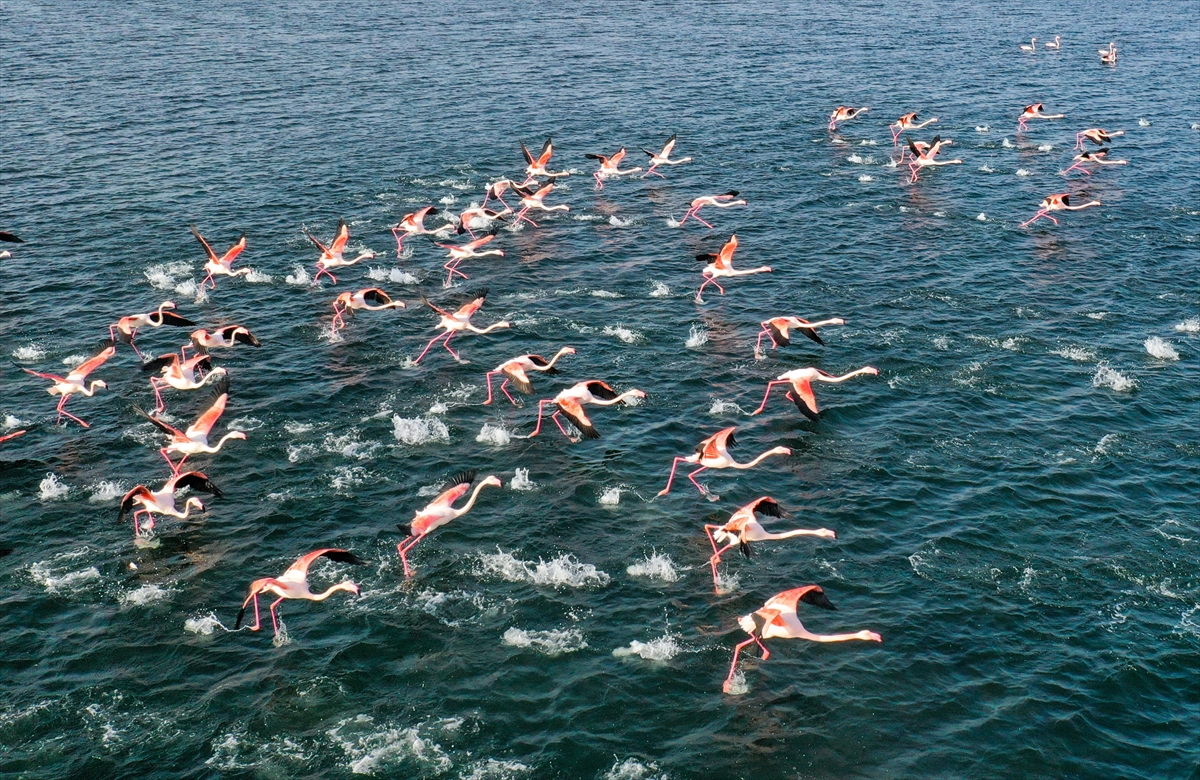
(162, 501)
(778, 619)
(1096, 136)
(924, 158)
(517, 371)
(743, 527)
(223, 265)
(194, 440)
(459, 321)
(484, 215)
(722, 201)
(778, 329)
(497, 189)
(76, 381)
(440, 511)
(844, 114)
(414, 225)
(221, 338)
(721, 265)
(801, 393)
(534, 201)
(570, 404)
(1034, 111)
(331, 256)
(907, 122)
(537, 166)
(370, 299)
(610, 166)
(180, 374)
(1030, 47)
(294, 585)
(125, 329)
(713, 453)
(1098, 157)
(662, 158)
(461, 252)
(1060, 202)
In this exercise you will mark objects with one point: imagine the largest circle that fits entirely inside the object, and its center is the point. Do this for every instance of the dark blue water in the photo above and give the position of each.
(1014, 494)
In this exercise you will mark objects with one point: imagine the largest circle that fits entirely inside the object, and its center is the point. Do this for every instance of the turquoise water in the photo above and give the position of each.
(1014, 494)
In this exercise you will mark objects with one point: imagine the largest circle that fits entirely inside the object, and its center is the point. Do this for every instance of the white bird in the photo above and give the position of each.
(662, 158)
(331, 256)
(713, 453)
(126, 328)
(180, 374)
(517, 371)
(1031, 46)
(801, 394)
(76, 381)
(721, 265)
(570, 404)
(743, 527)
(223, 265)
(369, 299)
(162, 501)
(459, 321)
(194, 440)
(1054, 44)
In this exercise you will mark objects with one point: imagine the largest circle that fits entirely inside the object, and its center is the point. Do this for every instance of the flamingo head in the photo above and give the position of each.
(637, 393)
(493, 480)
(871, 370)
(100, 383)
(781, 451)
(167, 305)
(869, 636)
(349, 587)
(503, 324)
(193, 501)
(568, 350)
(825, 533)
(236, 435)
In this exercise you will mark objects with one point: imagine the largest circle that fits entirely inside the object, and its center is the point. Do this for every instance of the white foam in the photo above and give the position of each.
(348, 446)
(986, 169)
(417, 430)
(865, 178)
(941, 342)
(737, 684)
(616, 221)
(982, 128)
(52, 488)
(493, 435)
(1110, 378)
(11, 421)
(1079, 354)
(1023, 172)
(74, 360)
(373, 748)
(245, 424)
(1007, 144)
(394, 275)
(298, 453)
(621, 332)
(632, 769)
(346, 477)
(611, 496)
(662, 649)
(563, 571)
(521, 481)
(32, 352)
(43, 575)
(493, 769)
(656, 566)
(1163, 350)
(106, 491)
(721, 407)
(296, 428)
(437, 407)
(1045, 147)
(606, 294)
(1144, 123)
(447, 200)
(147, 594)
(982, 217)
(697, 337)
(1190, 325)
(553, 642)
(204, 625)
(1096, 315)
(660, 290)
(299, 275)
(258, 277)
(672, 223)
(728, 583)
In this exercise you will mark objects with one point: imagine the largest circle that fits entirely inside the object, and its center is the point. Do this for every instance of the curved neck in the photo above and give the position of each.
(347, 585)
(187, 510)
(488, 329)
(754, 462)
(553, 360)
(471, 501)
(843, 377)
(221, 443)
(90, 390)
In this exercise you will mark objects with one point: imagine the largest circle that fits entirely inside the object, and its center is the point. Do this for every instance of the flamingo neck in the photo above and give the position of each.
(471, 501)
(488, 329)
(557, 355)
(90, 390)
(756, 461)
(347, 586)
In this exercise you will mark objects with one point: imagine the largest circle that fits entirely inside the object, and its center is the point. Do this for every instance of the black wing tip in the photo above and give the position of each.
(601, 391)
(812, 334)
(344, 556)
(464, 477)
(732, 193)
(405, 529)
(237, 624)
(769, 507)
(11, 238)
(817, 598)
(803, 407)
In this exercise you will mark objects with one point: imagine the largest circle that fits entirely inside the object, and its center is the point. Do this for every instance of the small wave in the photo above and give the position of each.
(296, 428)
(672, 223)
(417, 430)
(373, 748)
(662, 291)
(348, 446)
(586, 217)
(616, 221)
(346, 477)
(1096, 315)
(656, 566)
(865, 178)
(299, 275)
(986, 169)
(1190, 325)
(1113, 379)
(1079, 354)
(1023, 172)
(982, 128)
(1045, 147)
(1007, 144)
(43, 575)
(563, 571)
(623, 333)
(1163, 350)
(204, 625)
(106, 491)
(494, 435)
(447, 200)
(632, 769)
(941, 342)
(298, 453)
(606, 294)
(611, 496)
(11, 421)
(553, 642)
(51, 488)
(662, 649)
(147, 594)
(857, 160)
(697, 337)
(492, 769)
(982, 218)
(521, 481)
(31, 352)
(1144, 123)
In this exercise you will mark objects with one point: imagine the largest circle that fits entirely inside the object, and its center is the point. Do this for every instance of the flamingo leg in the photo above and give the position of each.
(560, 426)
(770, 385)
(174, 467)
(733, 666)
(63, 412)
(257, 621)
(399, 236)
(488, 379)
(430, 344)
(159, 405)
(521, 216)
(713, 561)
(403, 548)
(690, 213)
(274, 620)
(1021, 124)
(652, 171)
(696, 216)
(541, 406)
(599, 181)
(692, 477)
(674, 464)
(209, 280)
(136, 351)
(708, 529)
(504, 388)
(446, 344)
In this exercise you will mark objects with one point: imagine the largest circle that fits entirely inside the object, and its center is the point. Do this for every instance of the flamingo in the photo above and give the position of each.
(713, 453)
(537, 166)
(1097, 157)
(331, 256)
(907, 122)
(221, 338)
(1034, 111)
(485, 215)
(414, 225)
(369, 299)
(223, 265)
(1031, 46)
(497, 189)
(517, 371)
(194, 440)
(778, 618)
(180, 374)
(440, 511)
(844, 114)
(722, 201)
(721, 265)
(610, 166)
(924, 158)
(1060, 202)
(125, 329)
(459, 321)
(294, 585)
(1109, 56)
(662, 158)
(570, 404)
(76, 381)
(534, 201)
(778, 329)
(743, 527)
(801, 380)
(1095, 135)
(458, 253)
(1054, 44)
(162, 501)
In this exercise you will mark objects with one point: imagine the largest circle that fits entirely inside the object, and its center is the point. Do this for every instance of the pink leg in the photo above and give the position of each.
(136, 351)
(1021, 124)
(707, 280)
(446, 344)
(63, 412)
(521, 216)
(430, 344)
(770, 385)
(403, 548)
(337, 318)
(541, 407)
(257, 621)
(690, 212)
(1036, 217)
(159, 405)
(399, 236)
(560, 425)
(274, 620)
(696, 216)
(1079, 140)
(506, 206)
(674, 464)
(692, 477)
(503, 387)
(896, 136)
(207, 280)
(488, 379)
(733, 666)
(599, 181)
(174, 467)
(652, 171)
(713, 561)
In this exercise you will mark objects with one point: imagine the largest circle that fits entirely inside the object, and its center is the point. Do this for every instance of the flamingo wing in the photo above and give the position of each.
(208, 250)
(572, 410)
(93, 363)
(376, 296)
(162, 426)
(239, 334)
(616, 158)
(431, 305)
(806, 402)
(712, 446)
(343, 235)
(667, 147)
(460, 484)
(234, 251)
(766, 506)
(300, 567)
(528, 155)
(601, 390)
(547, 150)
(789, 600)
(779, 331)
(518, 377)
(543, 364)
(725, 258)
(130, 498)
(810, 332)
(171, 318)
(196, 481)
(473, 305)
(317, 242)
(205, 422)
(161, 362)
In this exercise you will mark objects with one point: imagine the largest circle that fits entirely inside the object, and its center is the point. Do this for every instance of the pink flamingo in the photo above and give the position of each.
(662, 158)
(801, 381)
(331, 256)
(517, 371)
(570, 404)
(743, 527)
(721, 265)
(458, 253)
(497, 189)
(778, 329)
(440, 511)
(924, 158)
(223, 265)
(76, 381)
(125, 329)
(414, 225)
(537, 166)
(194, 440)
(293, 584)
(459, 321)
(722, 201)
(1098, 157)
(180, 374)
(487, 216)
(162, 501)
(1035, 112)
(535, 201)
(370, 299)
(610, 166)
(221, 338)
(713, 453)
(1060, 202)
(907, 122)
(1095, 135)
(844, 114)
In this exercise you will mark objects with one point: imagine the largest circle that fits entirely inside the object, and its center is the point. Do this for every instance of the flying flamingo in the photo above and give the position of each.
(743, 527)
(534, 201)
(497, 189)
(570, 404)
(440, 511)
(370, 299)
(1109, 56)
(180, 374)
(162, 501)
(458, 253)
(331, 256)
(221, 338)
(487, 216)
(844, 114)
(517, 371)
(722, 201)
(778, 618)
(537, 166)
(223, 265)
(721, 265)
(1030, 47)
(907, 122)
(1057, 203)
(1054, 44)
(924, 158)
(294, 585)
(778, 329)
(1035, 112)
(801, 393)
(76, 381)
(713, 453)
(459, 321)
(1097, 157)
(662, 158)
(1095, 135)
(414, 225)
(125, 329)
(610, 166)
(194, 440)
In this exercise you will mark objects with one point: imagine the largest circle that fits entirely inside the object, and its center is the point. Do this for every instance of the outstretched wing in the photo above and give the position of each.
(162, 426)
(171, 318)
(528, 155)
(160, 362)
(666, 152)
(127, 501)
(571, 409)
(601, 390)
(341, 556)
(196, 481)
(519, 379)
(460, 483)
(547, 151)
(95, 362)
(473, 305)
(234, 251)
(789, 600)
(208, 250)
(205, 422)
(376, 296)
(343, 235)
(767, 506)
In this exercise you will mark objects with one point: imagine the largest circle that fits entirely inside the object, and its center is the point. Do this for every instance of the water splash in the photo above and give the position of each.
(1113, 379)
(1190, 325)
(623, 333)
(146, 594)
(1163, 350)
(656, 566)
(632, 769)
(417, 430)
(29, 352)
(611, 496)
(51, 488)
(552, 642)
(697, 337)
(563, 571)
(298, 276)
(493, 435)
(660, 290)
(521, 481)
